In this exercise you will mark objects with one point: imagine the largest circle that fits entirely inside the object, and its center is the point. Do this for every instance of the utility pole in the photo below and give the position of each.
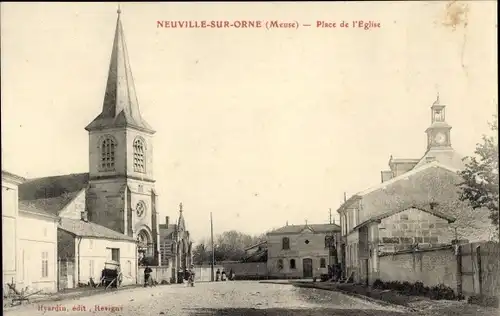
(212, 241)
(330, 215)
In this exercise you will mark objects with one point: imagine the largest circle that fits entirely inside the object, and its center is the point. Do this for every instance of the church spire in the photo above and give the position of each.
(181, 224)
(120, 107)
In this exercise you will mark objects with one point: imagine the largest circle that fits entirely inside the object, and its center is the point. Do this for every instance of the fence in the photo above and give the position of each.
(203, 273)
(66, 273)
(469, 269)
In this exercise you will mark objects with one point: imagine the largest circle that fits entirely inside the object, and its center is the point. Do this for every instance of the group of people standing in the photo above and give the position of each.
(188, 276)
(221, 276)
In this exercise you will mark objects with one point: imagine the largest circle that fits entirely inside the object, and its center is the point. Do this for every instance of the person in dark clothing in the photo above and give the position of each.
(223, 276)
(230, 275)
(147, 275)
(217, 275)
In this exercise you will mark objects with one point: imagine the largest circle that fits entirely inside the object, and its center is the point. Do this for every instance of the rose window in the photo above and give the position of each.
(140, 208)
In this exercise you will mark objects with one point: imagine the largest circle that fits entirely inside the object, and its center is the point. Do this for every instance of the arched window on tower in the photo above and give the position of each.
(139, 153)
(107, 149)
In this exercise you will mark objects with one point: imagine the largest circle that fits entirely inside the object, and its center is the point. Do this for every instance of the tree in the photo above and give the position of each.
(480, 186)
(200, 254)
(229, 246)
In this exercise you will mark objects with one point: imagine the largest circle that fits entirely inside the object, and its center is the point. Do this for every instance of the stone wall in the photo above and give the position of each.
(413, 226)
(431, 267)
(469, 269)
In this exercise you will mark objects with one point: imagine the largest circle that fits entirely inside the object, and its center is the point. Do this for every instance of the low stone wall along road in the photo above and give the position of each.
(207, 299)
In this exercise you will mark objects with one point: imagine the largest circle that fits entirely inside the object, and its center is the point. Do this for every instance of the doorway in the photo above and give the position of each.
(307, 267)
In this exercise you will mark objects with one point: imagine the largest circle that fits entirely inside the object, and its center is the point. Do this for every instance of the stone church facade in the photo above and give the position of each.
(121, 193)
(118, 192)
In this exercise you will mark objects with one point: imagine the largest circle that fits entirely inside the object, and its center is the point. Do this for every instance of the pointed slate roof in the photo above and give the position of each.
(120, 107)
(181, 223)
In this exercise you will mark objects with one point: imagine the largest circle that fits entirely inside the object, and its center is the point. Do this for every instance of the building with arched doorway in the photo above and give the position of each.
(175, 246)
(117, 196)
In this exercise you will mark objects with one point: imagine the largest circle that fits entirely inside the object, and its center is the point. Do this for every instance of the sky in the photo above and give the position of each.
(257, 126)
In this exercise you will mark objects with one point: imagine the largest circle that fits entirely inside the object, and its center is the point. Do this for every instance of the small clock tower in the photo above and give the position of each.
(438, 134)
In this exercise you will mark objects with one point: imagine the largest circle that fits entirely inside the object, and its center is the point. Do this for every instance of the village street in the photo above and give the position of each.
(222, 298)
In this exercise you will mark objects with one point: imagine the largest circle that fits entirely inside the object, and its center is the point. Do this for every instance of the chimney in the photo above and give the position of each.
(166, 220)
(84, 216)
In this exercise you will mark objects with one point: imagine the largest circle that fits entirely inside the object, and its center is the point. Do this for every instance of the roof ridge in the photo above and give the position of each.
(406, 175)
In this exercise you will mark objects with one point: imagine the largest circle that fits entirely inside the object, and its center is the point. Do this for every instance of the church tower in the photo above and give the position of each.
(439, 140)
(121, 194)
(438, 134)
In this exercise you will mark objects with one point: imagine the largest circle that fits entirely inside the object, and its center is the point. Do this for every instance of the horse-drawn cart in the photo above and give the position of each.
(111, 275)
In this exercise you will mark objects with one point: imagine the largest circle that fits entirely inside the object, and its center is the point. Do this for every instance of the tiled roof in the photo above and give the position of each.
(50, 187)
(257, 256)
(419, 188)
(166, 232)
(256, 245)
(10, 175)
(31, 208)
(50, 205)
(397, 179)
(296, 229)
(87, 229)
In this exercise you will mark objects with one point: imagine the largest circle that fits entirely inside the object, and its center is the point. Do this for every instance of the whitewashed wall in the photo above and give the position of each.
(37, 241)
(94, 253)
(9, 227)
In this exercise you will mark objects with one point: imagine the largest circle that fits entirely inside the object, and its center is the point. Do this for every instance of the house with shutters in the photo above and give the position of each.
(301, 251)
(415, 205)
(175, 246)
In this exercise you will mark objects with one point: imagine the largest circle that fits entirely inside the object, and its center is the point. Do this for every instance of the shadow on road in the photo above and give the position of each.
(290, 312)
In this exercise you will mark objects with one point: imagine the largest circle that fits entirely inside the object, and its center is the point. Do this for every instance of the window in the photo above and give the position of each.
(91, 244)
(139, 155)
(91, 268)
(165, 262)
(403, 216)
(45, 264)
(292, 264)
(108, 146)
(286, 243)
(115, 254)
(322, 263)
(280, 264)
